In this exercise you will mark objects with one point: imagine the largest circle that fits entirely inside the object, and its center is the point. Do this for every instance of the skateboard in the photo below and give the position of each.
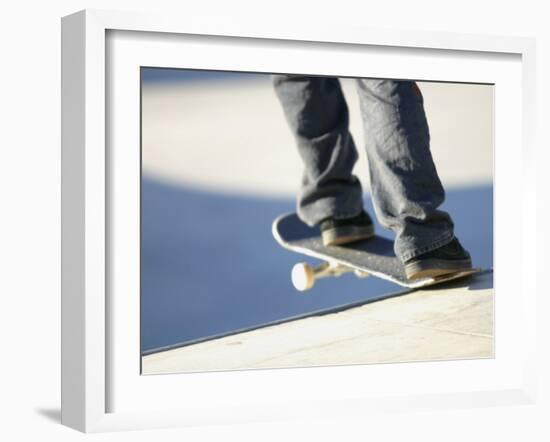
(374, 256)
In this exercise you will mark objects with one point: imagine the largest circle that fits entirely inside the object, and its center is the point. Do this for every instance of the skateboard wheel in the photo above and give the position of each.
(303, 276)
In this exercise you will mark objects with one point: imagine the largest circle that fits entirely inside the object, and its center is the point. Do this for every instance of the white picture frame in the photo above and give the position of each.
(90, 323)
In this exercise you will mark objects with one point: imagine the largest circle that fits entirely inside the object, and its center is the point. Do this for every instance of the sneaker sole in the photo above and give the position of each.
(432, 268)
(345, 235)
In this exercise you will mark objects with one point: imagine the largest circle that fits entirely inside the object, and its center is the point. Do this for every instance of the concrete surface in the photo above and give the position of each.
(231, 136)
(453, 321)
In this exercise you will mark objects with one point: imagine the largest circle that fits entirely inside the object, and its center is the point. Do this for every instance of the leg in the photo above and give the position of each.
(317, 114)
(406, 189)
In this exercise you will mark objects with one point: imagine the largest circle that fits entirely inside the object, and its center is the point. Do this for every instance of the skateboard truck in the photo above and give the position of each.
(304, 276)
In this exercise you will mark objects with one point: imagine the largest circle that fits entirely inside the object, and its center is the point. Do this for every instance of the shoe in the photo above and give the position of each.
(342, 231)
(449, 258)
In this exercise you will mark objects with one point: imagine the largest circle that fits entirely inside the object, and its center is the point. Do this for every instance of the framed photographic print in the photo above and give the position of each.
(188, 144)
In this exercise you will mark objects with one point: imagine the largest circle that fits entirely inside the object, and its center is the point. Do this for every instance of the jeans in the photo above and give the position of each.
(406, 189)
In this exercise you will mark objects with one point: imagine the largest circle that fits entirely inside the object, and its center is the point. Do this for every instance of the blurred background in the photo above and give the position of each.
(219, 164)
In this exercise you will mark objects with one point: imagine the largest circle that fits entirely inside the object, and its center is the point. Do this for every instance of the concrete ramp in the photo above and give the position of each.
(452, 321)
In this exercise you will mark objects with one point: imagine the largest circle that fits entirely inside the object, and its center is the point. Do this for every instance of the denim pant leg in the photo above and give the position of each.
(406, 189)
(317, 113)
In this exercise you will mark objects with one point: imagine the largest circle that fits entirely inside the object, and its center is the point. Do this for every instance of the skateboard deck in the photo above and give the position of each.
(374, 256)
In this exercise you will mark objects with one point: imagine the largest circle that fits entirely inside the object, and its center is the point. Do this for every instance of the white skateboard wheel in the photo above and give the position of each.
(302, 276)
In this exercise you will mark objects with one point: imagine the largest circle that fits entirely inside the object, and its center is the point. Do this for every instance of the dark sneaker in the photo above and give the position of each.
(449, 258)
(343, 231)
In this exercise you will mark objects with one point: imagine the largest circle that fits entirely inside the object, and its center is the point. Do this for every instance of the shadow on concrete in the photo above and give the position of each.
(482, 280)
(481, 283)
(209, 264)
